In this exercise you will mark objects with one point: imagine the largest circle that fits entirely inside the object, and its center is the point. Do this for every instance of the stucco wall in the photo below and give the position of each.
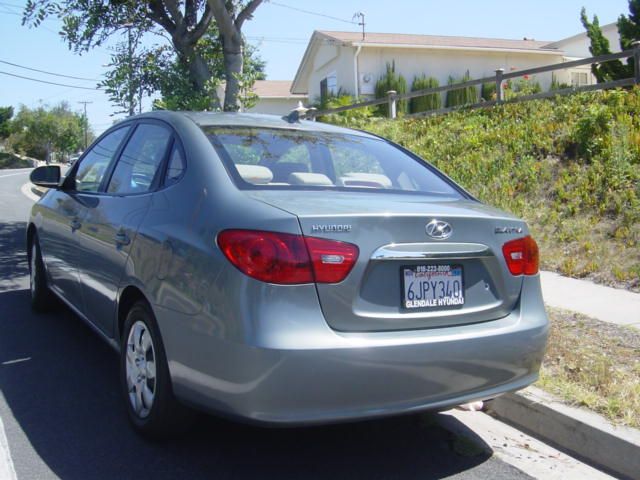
(443, 63)
(412, 62)
(331, 58)
(578, 46)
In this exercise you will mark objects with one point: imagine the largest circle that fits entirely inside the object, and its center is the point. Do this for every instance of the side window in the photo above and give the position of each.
(95, 163)
(140, 159)
(176, 166)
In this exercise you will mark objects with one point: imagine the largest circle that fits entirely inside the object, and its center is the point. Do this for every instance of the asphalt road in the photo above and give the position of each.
(63, 416)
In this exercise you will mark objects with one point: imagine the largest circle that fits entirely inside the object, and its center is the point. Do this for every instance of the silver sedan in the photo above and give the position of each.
(284, 272)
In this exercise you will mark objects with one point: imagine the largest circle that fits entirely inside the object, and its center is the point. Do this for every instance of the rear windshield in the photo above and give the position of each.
(292, 159)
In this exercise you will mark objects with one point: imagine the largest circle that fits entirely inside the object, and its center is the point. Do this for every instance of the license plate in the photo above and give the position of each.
(432, 287)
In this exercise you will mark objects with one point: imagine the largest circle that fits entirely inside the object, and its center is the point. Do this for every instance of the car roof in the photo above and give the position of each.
(206, 119)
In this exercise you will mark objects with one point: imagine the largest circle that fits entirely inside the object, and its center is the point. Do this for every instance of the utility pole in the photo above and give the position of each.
(86, 122)
(361, 23)
(132, 94)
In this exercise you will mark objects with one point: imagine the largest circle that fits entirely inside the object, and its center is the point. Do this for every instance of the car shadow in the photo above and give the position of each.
(13, 258)
(60, 383)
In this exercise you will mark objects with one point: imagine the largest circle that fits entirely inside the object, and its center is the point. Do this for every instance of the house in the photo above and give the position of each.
(351, 62)
(274, 97)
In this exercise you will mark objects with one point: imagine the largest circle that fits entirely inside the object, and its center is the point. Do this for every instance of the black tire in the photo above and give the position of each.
(164, 417)
(42, 299)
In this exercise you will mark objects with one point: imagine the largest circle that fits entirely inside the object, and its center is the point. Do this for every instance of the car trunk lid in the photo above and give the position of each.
(395, 249)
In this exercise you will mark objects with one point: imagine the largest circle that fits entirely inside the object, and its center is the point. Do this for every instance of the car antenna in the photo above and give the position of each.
(298, 113)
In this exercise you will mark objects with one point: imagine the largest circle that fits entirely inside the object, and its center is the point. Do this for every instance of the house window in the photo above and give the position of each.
(579, 79)
(328, 86)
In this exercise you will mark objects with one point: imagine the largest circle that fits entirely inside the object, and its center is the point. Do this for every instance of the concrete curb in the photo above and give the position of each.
(580, 432)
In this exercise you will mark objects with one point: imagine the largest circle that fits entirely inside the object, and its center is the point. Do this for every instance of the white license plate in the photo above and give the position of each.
(432, 286)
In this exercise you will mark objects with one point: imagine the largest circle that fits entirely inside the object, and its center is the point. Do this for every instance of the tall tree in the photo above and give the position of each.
(88, 23)
(157, 70)
(629, 30)
(40, 131)
(5, 117)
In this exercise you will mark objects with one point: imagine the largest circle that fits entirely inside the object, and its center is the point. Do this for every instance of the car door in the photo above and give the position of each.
(66, 210)
(110, 225)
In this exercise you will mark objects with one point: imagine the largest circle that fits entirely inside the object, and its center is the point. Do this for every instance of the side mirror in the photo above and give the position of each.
(47, 176)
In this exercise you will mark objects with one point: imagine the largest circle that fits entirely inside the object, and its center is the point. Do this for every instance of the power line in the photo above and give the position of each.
(50, 83)
(317, 14)
(50, 73)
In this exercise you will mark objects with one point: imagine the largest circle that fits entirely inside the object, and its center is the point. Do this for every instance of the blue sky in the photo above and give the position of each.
(281, 35)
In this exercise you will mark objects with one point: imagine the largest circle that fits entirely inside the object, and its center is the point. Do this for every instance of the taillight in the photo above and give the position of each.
(331, 260)
(287, 259)
(522, 256)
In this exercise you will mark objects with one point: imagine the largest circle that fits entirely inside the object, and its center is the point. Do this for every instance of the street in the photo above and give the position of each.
(63, 416)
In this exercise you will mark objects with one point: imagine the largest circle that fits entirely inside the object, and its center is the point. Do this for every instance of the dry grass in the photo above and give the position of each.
(594, 364)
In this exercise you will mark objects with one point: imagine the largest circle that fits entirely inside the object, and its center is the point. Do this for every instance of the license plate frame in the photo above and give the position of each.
(437, 271)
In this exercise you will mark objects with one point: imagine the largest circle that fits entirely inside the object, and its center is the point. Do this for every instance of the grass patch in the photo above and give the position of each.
(594, 364)
(569, 166)
(9, 160)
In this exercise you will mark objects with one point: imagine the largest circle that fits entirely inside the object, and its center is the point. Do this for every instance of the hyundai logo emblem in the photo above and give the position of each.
(438, 229)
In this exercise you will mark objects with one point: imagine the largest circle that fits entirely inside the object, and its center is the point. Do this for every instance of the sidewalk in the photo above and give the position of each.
(597, 301)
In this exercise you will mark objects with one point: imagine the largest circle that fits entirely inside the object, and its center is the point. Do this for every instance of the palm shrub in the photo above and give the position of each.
(433, 101)
(391, 81)
(461, 96)
(348, 117)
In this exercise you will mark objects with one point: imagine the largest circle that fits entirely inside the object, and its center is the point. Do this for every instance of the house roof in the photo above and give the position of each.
(400, 39)
(274, 89)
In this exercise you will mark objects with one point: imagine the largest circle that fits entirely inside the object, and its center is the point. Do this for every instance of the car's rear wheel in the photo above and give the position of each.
(41, 297)
(144, 374)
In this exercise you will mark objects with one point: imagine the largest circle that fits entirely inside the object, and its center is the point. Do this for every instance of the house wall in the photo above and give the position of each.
(578, 45)
(276, 106)
(329, 59)
(413, 62)
(444, 63)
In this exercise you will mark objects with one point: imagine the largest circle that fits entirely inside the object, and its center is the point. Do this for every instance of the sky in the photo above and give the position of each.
(281, 32)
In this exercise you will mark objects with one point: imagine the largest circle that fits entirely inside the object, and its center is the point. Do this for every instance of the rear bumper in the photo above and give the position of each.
(346, 376)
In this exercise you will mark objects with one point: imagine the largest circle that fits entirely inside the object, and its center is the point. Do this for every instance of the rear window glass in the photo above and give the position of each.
(292, 159)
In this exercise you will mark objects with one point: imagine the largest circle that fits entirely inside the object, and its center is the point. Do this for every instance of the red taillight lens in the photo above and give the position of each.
(332, 260)
(287, 259)
(267, 256)
(522, 256)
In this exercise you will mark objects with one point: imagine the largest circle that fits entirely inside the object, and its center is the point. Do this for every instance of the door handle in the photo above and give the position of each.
(122, 238)
(75, 225)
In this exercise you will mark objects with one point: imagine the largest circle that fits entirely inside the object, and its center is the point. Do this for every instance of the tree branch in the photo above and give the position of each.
(223, 18)
(246, 13)
(202, 26)
(158, 14)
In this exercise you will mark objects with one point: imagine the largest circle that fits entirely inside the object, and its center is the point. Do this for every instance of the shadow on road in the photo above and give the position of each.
(13, 257)
(60, 383)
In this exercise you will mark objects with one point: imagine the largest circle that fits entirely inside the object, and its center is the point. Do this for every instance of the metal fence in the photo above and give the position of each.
(498, 79)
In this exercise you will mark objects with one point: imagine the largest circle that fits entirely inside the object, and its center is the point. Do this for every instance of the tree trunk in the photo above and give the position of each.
(199, 73)
(233, 66)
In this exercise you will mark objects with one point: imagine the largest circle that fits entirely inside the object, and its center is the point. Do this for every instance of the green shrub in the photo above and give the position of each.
(488, 91)
(461, 96)
(557, 85)
(432, 101)
(391, 81)
(521, 87)
(348, 117)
